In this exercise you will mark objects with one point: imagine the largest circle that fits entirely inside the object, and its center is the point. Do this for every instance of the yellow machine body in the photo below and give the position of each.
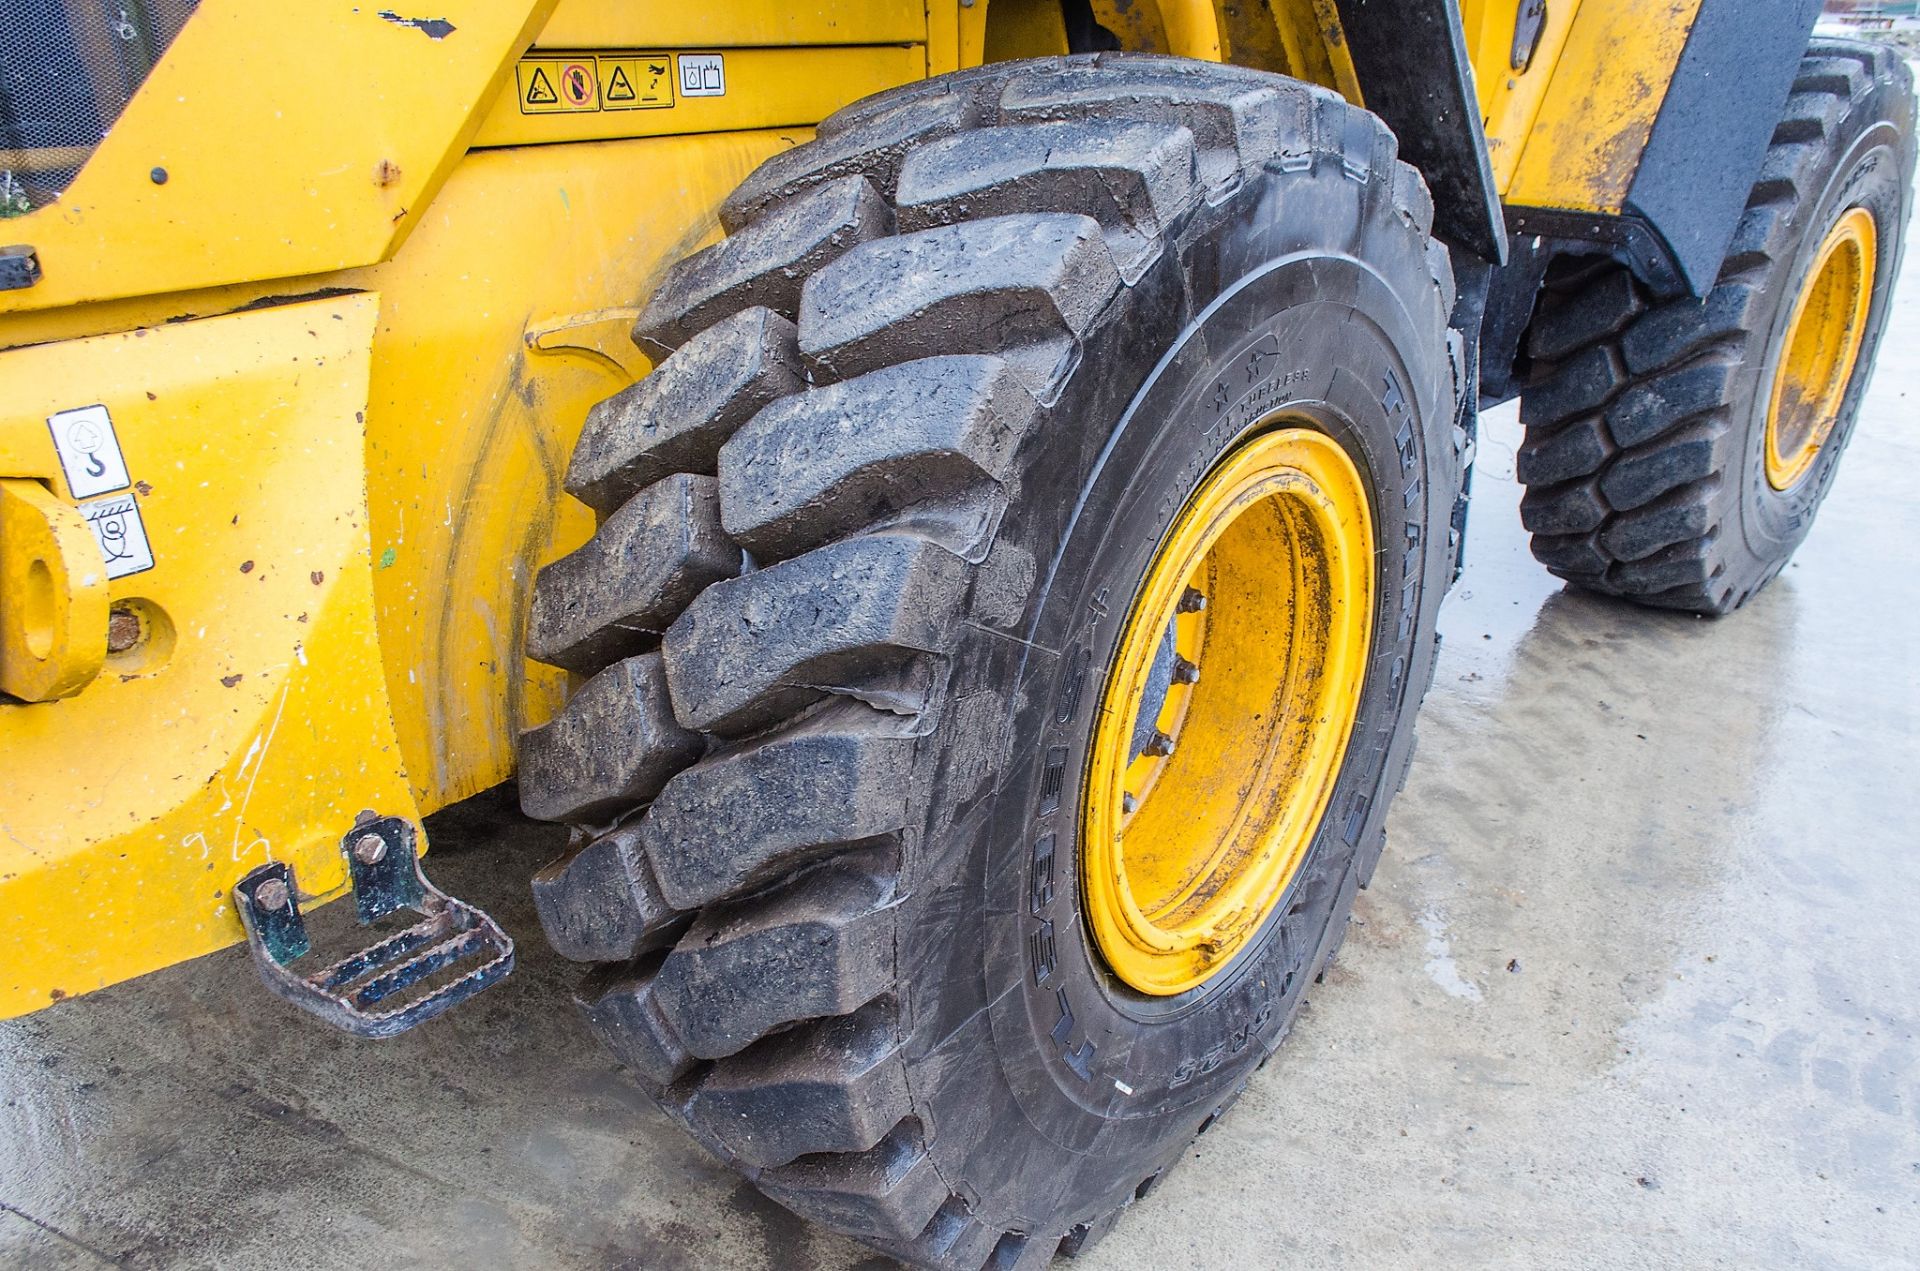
(339, 288)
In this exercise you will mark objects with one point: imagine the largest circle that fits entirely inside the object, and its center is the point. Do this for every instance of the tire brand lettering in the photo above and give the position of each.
(1226, 1047)
(1043, 953)
(1394, 402)
(1043, 950)
(1076, 679)
(1270, 391)
(1051, 778)
(1410, 573)
(1078, 1058)
(1042, 874)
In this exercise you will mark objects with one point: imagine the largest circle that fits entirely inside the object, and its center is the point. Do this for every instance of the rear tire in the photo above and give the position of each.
(868, 537)
(1646, 421)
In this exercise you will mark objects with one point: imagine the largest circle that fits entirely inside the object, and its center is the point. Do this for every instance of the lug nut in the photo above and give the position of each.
(1185, 672)
(369, 849)
(1158, 745)
(1127, 802)
(271, 894)
(1192, 601)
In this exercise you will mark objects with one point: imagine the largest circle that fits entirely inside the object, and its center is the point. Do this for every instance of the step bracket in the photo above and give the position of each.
(387, 877)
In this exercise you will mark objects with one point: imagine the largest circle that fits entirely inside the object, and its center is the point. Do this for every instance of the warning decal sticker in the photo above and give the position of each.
(582, 84)
(89, 452)
(703, 75)
(122, 535)
(539, 89)
(636, 83)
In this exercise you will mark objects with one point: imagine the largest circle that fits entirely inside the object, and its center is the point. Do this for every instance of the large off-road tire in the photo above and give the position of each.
(1645, 458)
(868, 537)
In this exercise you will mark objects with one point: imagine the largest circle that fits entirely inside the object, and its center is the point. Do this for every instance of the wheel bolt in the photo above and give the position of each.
(1127, 802)
(1192, 601)
(1159, 745)
(1185, 672)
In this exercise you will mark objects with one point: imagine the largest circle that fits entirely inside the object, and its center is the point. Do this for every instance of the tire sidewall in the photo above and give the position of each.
(1867, 172)
(1099, 1084)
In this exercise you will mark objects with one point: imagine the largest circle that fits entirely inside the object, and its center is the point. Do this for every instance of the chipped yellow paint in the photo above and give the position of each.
(246, 725)
(412, 469)
(1592, 124)
(293, 139)
(1511, 97)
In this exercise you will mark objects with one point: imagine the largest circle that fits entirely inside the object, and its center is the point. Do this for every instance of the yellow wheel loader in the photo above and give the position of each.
(949, 501)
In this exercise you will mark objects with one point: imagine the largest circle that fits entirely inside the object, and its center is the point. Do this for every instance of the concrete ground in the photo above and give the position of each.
(1634, 987)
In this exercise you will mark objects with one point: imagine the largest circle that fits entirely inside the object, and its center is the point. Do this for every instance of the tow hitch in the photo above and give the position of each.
(386, 877)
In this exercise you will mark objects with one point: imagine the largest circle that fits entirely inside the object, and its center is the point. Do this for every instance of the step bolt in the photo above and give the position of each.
(369, 849)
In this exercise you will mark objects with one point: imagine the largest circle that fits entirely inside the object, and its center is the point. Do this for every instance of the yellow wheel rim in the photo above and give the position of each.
(1227, 710)
(1824, 334)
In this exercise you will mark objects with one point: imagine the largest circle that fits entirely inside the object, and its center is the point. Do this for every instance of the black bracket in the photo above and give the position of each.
(386, 877)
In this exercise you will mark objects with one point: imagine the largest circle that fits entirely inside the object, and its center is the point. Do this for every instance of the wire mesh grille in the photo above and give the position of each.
(67, 70)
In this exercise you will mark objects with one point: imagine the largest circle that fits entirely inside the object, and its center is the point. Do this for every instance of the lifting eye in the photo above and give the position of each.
(1529, 21)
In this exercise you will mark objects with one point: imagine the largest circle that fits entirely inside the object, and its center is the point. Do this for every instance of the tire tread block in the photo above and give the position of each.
(617, 594)
(838, 1085)
(888, 1192)
(1652, 409)
(676, 419)
(602, 903)
(763, 264)
(621, 1008)
(874, 151)
(615, 743)
(1025, 287)
(754, 813)
(1575, 508)
(1133, 177)
(820, 947)
(1238, 123)
(936, 433)
(755, 649)
(1574, 450)
(1598, 312)
(1581, 384)
(1641, 476)
(1677, 516)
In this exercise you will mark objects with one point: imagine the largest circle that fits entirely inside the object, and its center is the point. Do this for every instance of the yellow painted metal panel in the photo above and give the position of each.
(253, 722)
(1609, 81)
(1018, 28)
(293, 138)
(596, 24)
(1511, 99)
(489, 350)
(1193, 29)
(563, 96)
(53, 595)
(501, 320)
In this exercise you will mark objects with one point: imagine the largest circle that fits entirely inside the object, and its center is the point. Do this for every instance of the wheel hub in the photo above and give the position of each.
(1824, 334)
(1227, 710)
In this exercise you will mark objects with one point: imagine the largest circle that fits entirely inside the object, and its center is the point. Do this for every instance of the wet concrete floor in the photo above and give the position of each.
(1637, 985)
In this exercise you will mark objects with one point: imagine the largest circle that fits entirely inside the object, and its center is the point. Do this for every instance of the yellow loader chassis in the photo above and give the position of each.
(343, 290)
